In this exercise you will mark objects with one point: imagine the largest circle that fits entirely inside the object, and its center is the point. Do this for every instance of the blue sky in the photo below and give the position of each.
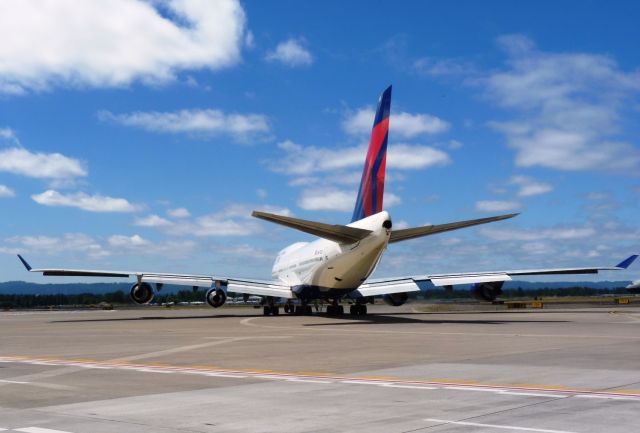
(140, 135)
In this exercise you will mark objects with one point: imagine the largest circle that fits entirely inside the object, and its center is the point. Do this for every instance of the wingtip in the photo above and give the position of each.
(25, 263)
(627, 262)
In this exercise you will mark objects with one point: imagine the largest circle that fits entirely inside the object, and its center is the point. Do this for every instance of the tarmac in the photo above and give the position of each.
(395, 370)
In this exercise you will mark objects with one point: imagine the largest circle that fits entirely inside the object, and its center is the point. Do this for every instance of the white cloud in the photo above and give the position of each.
(204, 122)
(234, 220)
(152, 221)
(9, 135)
(179, 213)
(52, 245)
(305, 160)
(100, 44)
(530, 187)
(496, 206)
(402, 124)
(120, 241)
(571, 108)
(40, 165)
(80, 200)
(531, 235)
(442, 67)
(337, 200)
(5, 192)
(291, 53)
(262, 193)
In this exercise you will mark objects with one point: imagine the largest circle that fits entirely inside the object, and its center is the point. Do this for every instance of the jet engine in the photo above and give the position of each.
(487, 291)
(395, 299)
(216, 297)
(141, 293)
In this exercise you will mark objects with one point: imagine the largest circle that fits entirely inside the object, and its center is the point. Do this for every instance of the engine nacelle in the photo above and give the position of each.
(216, 297)
(141, 293)
(395, 299)
(487, 291)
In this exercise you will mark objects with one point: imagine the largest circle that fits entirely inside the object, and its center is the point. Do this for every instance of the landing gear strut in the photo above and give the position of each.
(270, 308)
(335, 309)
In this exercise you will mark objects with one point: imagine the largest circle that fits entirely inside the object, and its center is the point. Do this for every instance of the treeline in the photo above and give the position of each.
(519, 292)
(120, 297)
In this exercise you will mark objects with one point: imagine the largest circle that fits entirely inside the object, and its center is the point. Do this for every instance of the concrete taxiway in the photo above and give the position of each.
(396, 370)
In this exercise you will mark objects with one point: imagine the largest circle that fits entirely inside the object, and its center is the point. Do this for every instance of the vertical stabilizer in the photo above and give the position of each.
(371, 190)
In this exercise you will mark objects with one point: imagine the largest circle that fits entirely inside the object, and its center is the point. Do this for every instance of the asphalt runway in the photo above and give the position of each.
(396, 370)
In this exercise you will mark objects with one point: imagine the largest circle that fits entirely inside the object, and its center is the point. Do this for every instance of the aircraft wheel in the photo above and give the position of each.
(266, 310)
(275, 310)
(363, 310)
(286, 308)
(339, 310)
(308, 310)
(354, 310)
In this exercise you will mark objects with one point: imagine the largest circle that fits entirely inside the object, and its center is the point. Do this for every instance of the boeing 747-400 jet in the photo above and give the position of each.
(338, 264)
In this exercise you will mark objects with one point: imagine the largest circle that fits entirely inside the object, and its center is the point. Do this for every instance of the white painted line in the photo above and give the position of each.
(38, 430)
(13, 381)
(3, 429)
(470, 388)
(309, 380)
(531, 394)
(361, 382)
(609, 397)
(393, 385)
(496, 426)
(232, 376)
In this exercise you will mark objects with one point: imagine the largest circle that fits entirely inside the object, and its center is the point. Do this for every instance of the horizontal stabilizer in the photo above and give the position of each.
(416, 232)
(333, 232)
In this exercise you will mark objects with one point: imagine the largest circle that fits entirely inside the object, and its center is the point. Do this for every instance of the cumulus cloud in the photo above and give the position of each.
(402, 124)
(54, 245)
(434, 67)
(291, 52)
(337, 200)
(497, 206)
(40, 165)
(199, 122)
(530, 235)
(5, 192)
(570, 108)
(102, 44)
(80, 200)
(305, 160)
(234, 220)
(152, 221)
(179, 213)
(529, 187)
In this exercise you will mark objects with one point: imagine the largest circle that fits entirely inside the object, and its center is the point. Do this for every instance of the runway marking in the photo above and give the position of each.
(449, 385)
(329, 328)
(38, 430)
(496, 426)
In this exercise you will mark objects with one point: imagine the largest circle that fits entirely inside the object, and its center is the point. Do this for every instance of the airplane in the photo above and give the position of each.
(339, 263)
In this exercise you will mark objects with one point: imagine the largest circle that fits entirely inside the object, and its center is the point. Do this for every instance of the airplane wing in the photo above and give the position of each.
(383, 286)
(251, 287)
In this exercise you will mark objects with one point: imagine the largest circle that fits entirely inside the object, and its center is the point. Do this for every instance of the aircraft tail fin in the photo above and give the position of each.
(370, 194)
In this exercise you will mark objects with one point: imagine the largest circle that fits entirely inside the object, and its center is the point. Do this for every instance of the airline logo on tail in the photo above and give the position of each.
(371, 190)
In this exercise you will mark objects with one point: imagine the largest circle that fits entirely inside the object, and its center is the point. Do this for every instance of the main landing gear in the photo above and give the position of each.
(299, 310)
(358, 310)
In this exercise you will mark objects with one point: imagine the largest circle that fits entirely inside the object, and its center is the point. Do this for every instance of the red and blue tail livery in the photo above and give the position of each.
(371, 190)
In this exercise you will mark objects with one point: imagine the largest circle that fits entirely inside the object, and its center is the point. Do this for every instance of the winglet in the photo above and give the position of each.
(28, 266)
(627, 262)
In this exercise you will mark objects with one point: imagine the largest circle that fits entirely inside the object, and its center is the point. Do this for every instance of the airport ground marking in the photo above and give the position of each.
(495, 426)
(329, 328)
(451, 385)
(38, 430)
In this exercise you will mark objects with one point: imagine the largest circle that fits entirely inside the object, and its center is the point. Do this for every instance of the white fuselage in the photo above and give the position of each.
(332, 267)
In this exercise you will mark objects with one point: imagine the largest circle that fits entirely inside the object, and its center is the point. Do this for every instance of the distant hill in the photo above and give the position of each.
(26, 288)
